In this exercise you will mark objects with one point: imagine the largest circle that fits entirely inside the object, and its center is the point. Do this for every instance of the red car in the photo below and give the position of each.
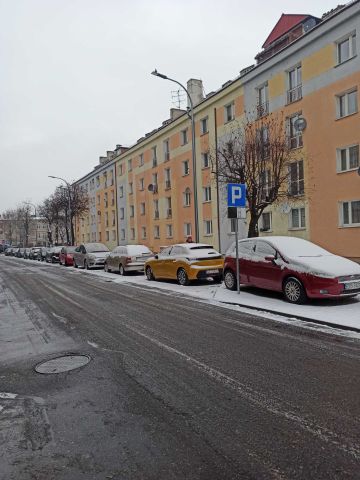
(66, 256)
(296, 267)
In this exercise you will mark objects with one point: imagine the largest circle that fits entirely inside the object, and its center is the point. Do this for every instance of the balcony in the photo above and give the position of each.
(262, 109)
(294, 94)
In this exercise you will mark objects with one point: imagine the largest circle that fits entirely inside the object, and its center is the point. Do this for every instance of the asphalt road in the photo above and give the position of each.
(175, 389)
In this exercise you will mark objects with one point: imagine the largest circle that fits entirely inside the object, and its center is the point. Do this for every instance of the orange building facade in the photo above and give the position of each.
(309, 69)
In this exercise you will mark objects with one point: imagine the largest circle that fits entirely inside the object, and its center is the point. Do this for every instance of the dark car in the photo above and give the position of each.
(53, 254)
(42, 255)
(27, 252)
(67, 256)
(20, 252)
(34, 253)
(296, 267)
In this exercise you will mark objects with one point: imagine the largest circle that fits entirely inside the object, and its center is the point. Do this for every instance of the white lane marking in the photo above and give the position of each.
(261, 400)
(58, 317)
(8, 395)
(93, 344)
(65, 297)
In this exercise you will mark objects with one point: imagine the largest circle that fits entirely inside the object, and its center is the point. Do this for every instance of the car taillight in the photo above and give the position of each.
(128, 259)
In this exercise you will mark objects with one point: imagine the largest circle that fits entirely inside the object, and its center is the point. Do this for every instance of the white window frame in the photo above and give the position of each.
(347, 158)
(142, 208)
(142, 184)
(187, 229)
(205, 160)
(143, 233)
(187, 197)
(351, 224)
(132, 211)
(157, 231)
(351, 38)
(185, 168)
(204, 125)
(169, 230)
(300, 226)
(262, 228)
(130, 165)
(262, 103)
(184, 138)
(295, 136)
(131, 190)
(229, 112)
(121, 191)
(122, 234)
(132, 232)
(207, 194)
(154, 156)
(294, 92)
(346, 106)
(208, 228)
(166, 150)
(141, 159)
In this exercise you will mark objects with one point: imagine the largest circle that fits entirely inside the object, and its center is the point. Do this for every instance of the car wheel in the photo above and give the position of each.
(74, 264)
(86, 265)
(230, 280)
(122, 270)
(182, 277)
(294, 291)
(106, 268)
(149, 274)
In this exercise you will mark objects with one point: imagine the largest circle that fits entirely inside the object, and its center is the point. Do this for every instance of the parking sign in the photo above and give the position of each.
(236, 195)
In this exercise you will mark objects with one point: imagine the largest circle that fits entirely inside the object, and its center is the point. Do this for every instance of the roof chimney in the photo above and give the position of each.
(195, 89)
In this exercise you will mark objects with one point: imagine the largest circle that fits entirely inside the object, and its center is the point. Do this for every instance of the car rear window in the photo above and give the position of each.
(96, 247)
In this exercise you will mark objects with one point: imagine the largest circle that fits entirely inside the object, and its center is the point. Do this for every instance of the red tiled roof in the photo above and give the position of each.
(285, 23)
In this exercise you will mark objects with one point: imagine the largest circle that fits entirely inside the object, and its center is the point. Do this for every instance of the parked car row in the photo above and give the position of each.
(296, 267)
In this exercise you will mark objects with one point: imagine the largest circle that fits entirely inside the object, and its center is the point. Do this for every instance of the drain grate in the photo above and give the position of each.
(64, 363)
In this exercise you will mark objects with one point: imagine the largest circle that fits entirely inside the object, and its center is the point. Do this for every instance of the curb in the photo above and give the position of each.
(298, 317)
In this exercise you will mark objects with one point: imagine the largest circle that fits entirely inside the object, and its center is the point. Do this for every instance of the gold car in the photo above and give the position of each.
(185, 262)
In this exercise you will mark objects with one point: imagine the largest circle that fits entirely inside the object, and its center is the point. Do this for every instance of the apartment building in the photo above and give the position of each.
(308, 71)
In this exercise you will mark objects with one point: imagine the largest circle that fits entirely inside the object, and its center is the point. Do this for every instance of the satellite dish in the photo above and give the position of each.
(284, 208)
(300, 124)
(151, 187)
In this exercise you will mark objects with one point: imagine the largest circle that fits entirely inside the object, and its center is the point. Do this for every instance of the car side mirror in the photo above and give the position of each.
(270, 258)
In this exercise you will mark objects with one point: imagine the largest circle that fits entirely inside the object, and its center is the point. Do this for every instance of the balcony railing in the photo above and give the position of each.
(262, 109)
(294, 94)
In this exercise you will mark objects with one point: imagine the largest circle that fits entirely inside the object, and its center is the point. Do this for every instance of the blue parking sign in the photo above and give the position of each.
(236, 195)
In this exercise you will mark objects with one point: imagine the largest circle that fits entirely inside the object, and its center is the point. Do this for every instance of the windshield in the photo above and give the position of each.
(202, 247)
(297, 247)
(96, 247)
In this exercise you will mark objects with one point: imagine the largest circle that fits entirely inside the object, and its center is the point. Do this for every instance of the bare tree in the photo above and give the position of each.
(256, 153)
(79, 204)
(10, 225)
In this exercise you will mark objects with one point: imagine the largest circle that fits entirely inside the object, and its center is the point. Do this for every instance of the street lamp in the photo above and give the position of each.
(165, 77)
(36, 224)
(69, 200)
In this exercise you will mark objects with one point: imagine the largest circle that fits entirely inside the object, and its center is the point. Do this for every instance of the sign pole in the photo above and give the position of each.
(237, 254)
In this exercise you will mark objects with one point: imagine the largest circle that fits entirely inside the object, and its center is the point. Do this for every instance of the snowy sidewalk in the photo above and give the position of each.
(343, 313)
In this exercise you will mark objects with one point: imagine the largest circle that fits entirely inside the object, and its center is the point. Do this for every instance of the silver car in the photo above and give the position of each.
(127, 258)
(90, 255)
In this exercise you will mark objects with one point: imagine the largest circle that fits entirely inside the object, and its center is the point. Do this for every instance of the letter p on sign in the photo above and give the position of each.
(236, 195)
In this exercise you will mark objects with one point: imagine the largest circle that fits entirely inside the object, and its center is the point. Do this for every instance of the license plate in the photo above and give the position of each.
(212, 271)
(352, 285)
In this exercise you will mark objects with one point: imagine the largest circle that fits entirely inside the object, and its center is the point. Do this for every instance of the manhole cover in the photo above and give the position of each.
(63, 364)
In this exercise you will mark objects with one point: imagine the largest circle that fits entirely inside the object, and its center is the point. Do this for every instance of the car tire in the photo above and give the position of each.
(182, 277)
(294, 291)
(106, 268)
(149, 274)
(122, 270)
(230, 280)
(75, 264)
(86, 265)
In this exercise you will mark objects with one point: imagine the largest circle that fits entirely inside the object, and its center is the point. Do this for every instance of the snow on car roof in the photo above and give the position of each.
(295, 247)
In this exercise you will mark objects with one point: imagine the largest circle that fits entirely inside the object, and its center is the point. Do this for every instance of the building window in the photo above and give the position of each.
(130, 188)
(130, 164)
(346, 48)
(208, 227)
(107, 236)
(296, 178)
(105, 180)
(186, 168)
(106, 219)
(265, 185)
(142, 184)
(297, 218)
(106, 199)
(156, 231)
(113, 218)
(263, 143)
(122, 234)
(143, 232)
(156, 209)
(111, 178)
(168, 207)
(167, 179)
(262, 101)
(347, 158)
(166, 146)
(121, 169)
(99, 236)
(155, 182)
(229, 112)
(207, 194)
(142, 208)
(205, 160)
(265, 219)
(112, 197)
(141, 159)
(347, 104)
(131, 210)
(122, 213)
(154, 156)
(184, 136)
(169, 231)
(121, 191)
(98, 181)
(295, 135)
(350, 213)
(132, 233)
(187, 198)
(98, 199)
(187, 229)
(204, 127)
(294, 92)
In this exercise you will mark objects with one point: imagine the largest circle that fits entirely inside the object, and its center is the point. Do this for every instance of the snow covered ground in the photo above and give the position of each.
(344, 312)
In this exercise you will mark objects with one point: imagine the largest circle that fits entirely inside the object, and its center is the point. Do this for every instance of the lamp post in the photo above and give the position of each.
(36, 225)
(165, 77)
(69, 200)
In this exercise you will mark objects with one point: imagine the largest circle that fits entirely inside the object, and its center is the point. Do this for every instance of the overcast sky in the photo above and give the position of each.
(75, 75)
